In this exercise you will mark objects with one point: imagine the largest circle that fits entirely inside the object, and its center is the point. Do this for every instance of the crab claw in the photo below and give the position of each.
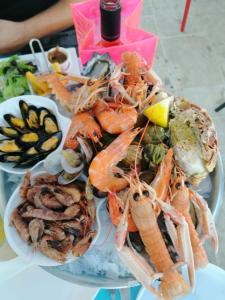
(180, 237)
(205, 219)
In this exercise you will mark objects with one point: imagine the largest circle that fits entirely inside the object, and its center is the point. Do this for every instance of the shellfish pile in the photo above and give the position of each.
(29, 138)
(54, 219)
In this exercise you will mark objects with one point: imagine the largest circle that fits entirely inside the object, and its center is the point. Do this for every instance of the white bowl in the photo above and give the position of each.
(21, 248)
(12, 106)
(66, 64)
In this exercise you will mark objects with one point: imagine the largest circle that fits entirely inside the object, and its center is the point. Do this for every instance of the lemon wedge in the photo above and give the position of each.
(2, 234)
(158, 113)
(56, 67)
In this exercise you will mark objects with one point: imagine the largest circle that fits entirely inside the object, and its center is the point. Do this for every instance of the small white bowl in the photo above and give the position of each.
(11, 106)
(22, 249)
(66, 64)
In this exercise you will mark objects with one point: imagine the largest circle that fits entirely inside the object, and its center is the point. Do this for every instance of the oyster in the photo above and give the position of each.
(194, 140)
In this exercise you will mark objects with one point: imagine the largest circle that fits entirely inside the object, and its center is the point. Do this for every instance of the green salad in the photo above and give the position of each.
(13, 81)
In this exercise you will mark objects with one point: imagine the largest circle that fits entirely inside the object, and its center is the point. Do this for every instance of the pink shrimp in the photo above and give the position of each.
(115, 117)
(103, 167)
(85, 125)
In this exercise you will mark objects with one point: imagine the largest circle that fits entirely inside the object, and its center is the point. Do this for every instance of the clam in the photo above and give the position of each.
(194, 141)
(72, 161)
(66, 178)
(53, 164)
(85, 148)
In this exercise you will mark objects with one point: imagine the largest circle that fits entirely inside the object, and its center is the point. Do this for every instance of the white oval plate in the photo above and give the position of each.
(210, 284)
(12, 106)
(21, 248)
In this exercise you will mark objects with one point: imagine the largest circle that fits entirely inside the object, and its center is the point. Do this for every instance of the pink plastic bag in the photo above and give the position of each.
(86, 17)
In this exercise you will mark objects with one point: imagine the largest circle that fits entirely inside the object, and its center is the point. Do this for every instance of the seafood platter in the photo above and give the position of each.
(119, 187)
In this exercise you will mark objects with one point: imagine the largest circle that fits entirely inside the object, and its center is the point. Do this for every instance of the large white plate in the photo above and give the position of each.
(210, 284)
(11, 106)
(21, 248)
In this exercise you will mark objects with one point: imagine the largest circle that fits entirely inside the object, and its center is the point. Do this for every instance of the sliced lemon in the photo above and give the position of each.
(2, 234)
(56, 67)
(158, 113)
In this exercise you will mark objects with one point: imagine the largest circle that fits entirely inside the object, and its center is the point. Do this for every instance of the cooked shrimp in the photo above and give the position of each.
(46, 248)
(162, 179)
(58, 89)
(181, 202)
(132, 62)
(20, 225)
(115, 117)
(103, 167)
(85, 125)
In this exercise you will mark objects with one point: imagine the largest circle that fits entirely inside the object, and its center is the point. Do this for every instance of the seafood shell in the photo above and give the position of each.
(199, 159)
(17, 123)
(72, 162)
(66, 178)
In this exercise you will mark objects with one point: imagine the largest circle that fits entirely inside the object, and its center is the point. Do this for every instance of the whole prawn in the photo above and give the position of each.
(115, 117)
(82, 124)
(103, 167)
(141, 205)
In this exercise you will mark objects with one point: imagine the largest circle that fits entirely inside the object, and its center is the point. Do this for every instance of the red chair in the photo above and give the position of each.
(185, 16)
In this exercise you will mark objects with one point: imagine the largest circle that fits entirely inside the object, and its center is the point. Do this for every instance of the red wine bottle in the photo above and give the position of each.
(110, 22)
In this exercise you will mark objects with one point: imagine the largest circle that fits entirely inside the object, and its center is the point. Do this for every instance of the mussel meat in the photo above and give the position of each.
(15, 122)
(51, 143)
(29, 162)
(32, 118)
(9, 146)
(9, 132)
(24, 107)
(28, 139)
(42, 113)
(11, 158)
(31, 151)
(50, 124)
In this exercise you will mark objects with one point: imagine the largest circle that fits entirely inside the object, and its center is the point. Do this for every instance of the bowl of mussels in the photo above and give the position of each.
(30, 129)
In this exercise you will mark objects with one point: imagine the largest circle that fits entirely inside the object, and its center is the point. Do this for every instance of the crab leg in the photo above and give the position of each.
(208, 227)
(182, 239)
(135, 262)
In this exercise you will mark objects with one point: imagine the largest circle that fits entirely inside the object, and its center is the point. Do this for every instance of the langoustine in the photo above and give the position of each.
(141, 202)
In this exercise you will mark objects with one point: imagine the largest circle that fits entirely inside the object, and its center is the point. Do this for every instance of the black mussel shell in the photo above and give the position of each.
(50, 124)
(27, 139)
(9, 146)
(50, 143)
(15, 122)
(30, 161)
(24, 107)
(11, 158)
(32, 118)
(9, 132)
(42, 113)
